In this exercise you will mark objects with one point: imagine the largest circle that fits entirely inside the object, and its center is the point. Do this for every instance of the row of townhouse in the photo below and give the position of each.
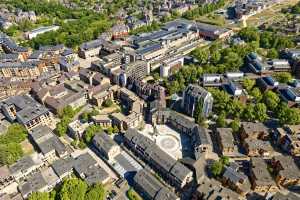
(175, 173)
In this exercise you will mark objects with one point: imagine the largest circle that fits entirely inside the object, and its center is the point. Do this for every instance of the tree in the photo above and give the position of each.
(15, 133)
(39, 196)
(232, 60)
(271, 99)
(288, 115)
(224, 160)
(156, 76)
(201, 55)
(10, 153)
(248, 84)
(66, 115)
(203, 9)
(94, 112)
(235, 125)
(198, 112)
(221, 100)
(249, 34)
(272, 53)
(235, 108)
(10, 147)
(91, 131)
(216, 168)
(249, 113)
(52, 195)
(266, 39)
(110, 130)
(95, 192)
(132, 195)
(173, 87)
(260, 112)
(73, 189)
(283, 77)
(84, 117)
(296, 9)
(221, 121)
(255, 92)
(68, 111)
(81, 144)
(107, 103)
(116, 129)
(215, 46)
(215, 57)
(62, 126)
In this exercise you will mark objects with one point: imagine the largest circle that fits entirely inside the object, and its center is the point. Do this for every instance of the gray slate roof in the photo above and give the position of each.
(22, 164)
(63, 165)
(103, 141)
(152, 186)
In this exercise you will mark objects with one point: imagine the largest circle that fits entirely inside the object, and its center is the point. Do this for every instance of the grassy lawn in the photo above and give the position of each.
(27, 147)
(271, 14)
(133, 195)
(108, 110)
(212, 19)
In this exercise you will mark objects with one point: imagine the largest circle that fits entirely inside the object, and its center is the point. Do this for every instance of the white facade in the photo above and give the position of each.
(34, 33)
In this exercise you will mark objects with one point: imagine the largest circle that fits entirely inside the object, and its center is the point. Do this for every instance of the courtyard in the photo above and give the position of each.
(167, 139)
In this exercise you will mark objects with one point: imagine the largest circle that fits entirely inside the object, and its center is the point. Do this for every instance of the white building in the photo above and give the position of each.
(76, 129)
(34, 33)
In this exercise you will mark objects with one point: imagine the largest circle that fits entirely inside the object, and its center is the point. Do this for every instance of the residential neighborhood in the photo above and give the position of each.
(149, 100)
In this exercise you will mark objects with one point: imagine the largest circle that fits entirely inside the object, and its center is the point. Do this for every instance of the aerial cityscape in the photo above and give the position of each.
(149, 100)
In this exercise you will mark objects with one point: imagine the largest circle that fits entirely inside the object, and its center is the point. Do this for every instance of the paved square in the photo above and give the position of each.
(166, 138)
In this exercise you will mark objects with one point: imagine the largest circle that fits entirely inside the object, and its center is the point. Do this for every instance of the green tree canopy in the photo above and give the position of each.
(201, 55)
(132, 195)
(249, 34)
(216, 168)
(221, 100)
(248, 84)
(221, 120)
(232, 60)
(116, 129)
(224, 160)
(16, 133)
(249, 113)
(272, 53)
(215, 57)
(288, 115)
(260, 112)
(73, 189)
(255, 92)
(268, 40)
(107, 103)
(235, 125)
(236, 107)
(10, 147)
(10, 153)
(110, 130)
(203, 9)
(95, 192)
(271, 100)
(198, 112)
(66, 115)
(283, 77)
(91, 131)
(39, 196)
(86, 116)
